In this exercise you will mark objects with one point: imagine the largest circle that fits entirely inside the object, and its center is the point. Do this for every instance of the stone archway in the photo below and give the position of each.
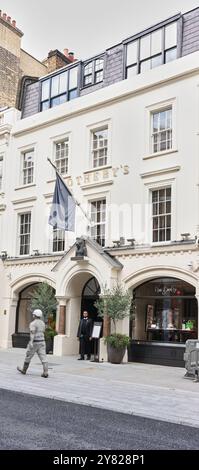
(19, 312)
(165, 315)
(70, 307)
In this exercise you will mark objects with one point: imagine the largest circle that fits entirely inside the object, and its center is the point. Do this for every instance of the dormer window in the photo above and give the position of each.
(59, 88)
(93, 71)
(151, 50)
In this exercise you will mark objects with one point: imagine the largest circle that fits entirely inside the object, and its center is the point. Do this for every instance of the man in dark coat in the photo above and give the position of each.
(84, 334)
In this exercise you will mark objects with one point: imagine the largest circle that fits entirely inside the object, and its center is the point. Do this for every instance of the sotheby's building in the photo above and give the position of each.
(123, 130)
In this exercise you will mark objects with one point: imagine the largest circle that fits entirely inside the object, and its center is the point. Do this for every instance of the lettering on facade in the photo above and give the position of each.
(98, 175)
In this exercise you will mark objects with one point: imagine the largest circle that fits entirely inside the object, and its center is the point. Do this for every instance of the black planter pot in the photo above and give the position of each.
(49, 346)
(115, 356)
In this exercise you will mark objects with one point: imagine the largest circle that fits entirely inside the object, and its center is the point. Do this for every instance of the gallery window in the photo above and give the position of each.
(99, 147)
(165, 310)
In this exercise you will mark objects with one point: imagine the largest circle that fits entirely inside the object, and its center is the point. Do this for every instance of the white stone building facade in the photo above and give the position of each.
(130, 154)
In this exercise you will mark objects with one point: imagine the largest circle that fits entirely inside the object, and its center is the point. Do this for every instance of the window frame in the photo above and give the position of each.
(92, 150)
(20, 214)
(22, 176)
(56, 240)
(65, 94)
(159, 132)
(164, 214)
(100, 223)
(160, 26)
(94, 72)
(57, 142)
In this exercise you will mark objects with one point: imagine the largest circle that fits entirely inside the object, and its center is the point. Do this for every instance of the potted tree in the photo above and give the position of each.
(115, 303)
(43, 298)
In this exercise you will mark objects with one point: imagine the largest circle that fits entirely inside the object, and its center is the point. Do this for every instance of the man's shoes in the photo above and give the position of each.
(80, 359)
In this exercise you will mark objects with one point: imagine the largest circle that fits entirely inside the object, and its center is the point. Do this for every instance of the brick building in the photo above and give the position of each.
(15, 63)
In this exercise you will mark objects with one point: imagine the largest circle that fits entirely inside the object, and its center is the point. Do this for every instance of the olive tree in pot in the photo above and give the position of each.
(115, 303)
(43, 297)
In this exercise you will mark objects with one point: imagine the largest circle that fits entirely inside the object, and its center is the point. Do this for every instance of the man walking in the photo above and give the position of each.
(36, 344)
(84, 334)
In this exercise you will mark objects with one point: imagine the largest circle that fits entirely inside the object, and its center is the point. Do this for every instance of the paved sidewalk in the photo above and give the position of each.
(152, 391)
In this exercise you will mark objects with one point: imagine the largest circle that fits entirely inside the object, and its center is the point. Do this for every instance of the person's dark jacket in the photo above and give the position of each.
(85, 327)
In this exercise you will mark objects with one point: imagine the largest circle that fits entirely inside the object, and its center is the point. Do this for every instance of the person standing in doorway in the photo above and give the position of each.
(84, 334)
(36, 344)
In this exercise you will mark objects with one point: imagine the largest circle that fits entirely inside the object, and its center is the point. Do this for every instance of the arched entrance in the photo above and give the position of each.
(164, 316)
(90, 294)
(24, 316)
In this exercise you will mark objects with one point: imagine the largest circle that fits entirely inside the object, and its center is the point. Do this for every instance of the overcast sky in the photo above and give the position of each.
(85, 27)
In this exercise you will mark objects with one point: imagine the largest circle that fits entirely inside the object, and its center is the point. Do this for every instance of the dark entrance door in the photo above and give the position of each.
(90, 294)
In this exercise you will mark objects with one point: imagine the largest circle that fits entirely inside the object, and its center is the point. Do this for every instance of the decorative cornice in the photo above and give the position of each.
(25, 199)
(162, 171)
(152, 251)
(32, 260)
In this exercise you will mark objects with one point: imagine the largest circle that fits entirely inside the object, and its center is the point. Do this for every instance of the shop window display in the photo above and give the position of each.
(165, 311)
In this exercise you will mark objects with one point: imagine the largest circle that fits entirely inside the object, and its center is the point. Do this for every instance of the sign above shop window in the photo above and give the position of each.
(167, 291)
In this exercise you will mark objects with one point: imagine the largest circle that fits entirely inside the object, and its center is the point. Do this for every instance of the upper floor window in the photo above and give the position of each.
(98, 218)
(161, 215)
(151, 50)
(99, 147)
(24, 233)
(58, 240)
(27, 167)
(162, 130)
(93, 72)
(61, 155)
(59, 88)
(1, 172)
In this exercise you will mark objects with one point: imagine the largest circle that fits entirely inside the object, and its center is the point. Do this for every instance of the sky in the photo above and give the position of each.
(86, 27)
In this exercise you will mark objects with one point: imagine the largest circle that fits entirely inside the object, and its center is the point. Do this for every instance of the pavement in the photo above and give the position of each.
(146, 390)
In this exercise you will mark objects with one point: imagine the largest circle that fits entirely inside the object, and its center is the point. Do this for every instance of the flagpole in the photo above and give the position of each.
(69, 190)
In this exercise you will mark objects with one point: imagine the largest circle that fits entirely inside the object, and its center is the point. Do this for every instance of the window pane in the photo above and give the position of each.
(170, 35)
(163, 120)
(45, 86)
(55, 86)
(145, 47)
(131, 53)
(58, 100)
(99, 64)
(88, 68)
(72, 94)
(132, 71)
(156, 42)
(62, 82)
(155, 61)
(171, 55)
(73, 78)
(146, 65)
(45, 105)
(99, 76)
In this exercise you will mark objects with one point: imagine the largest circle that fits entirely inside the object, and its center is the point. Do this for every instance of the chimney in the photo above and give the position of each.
(57, 59)
(66, 52)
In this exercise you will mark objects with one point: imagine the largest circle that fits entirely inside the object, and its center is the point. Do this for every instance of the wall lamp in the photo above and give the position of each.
(4, 255)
